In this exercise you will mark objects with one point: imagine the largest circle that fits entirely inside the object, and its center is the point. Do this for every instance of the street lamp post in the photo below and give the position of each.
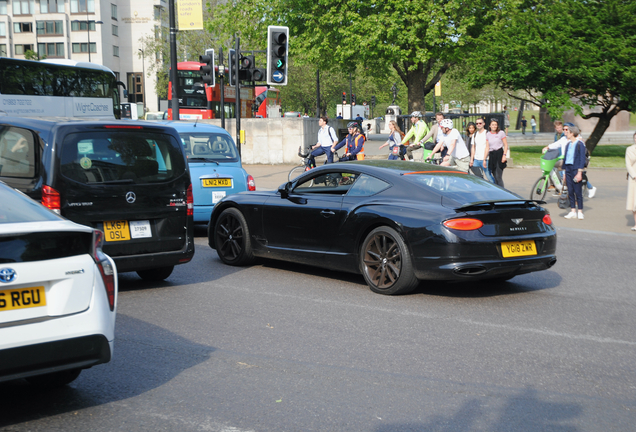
(88, 32)
(143, 73)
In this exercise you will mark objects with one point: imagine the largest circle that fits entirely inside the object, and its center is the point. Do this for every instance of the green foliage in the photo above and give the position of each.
(563, 54)
(605, 156)
(32, 55)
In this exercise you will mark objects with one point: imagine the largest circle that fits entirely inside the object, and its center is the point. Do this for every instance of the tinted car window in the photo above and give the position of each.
(461, 187)
(118, 156)
(209, 146)
(367, 186)
(333, 183)
(17, 152)
(17, 207)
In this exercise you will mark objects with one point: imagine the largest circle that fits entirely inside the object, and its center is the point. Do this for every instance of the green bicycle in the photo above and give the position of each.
(549, 178)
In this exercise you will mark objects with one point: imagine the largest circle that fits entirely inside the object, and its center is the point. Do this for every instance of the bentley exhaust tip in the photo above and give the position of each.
(552, 262)
(470, 270)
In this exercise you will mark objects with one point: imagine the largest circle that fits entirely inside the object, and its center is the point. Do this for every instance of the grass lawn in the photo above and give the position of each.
(604, 156)
(528, 115)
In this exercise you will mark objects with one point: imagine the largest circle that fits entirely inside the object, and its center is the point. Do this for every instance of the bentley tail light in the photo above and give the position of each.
(547, 219)
(251, 184)
(105, 267)
(190, 201)
(51, 199)
(464, 224)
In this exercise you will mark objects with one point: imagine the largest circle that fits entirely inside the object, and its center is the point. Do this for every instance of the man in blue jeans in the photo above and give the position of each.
(326, 138)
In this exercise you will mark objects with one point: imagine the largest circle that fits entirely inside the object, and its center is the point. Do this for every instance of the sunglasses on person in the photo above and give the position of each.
(479, 123)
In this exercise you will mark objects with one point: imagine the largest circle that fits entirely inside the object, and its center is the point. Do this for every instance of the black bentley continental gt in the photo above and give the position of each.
(395, 222)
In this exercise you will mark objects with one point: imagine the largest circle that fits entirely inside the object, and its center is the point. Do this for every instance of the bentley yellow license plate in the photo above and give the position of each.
(22, 298)
(518, 248)
(217, 182)
(116, 230)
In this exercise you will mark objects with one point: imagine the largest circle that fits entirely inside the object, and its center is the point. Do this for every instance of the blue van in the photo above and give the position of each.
(215, 165)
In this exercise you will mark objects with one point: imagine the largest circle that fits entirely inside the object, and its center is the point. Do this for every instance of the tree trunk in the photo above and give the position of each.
(603, 123)
(416, 82)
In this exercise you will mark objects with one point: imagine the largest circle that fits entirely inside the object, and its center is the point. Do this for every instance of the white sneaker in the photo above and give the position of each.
(570, 215)
(591, 192)
(581, 217)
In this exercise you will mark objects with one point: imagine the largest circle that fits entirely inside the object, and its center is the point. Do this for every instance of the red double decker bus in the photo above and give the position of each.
(200, 101)
(267, 97)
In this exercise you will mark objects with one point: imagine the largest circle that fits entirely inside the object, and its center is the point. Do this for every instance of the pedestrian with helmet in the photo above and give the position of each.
(417, 131)
(455, 145)
(354, 142)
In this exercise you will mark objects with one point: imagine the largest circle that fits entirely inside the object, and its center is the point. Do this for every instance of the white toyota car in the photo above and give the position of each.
(58, 294)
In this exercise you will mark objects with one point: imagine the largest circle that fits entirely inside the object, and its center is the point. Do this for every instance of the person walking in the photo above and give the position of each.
(524, 123)
(470, 133)
(630, 162)
(506, 119)
(395, 138)
(574, 164)
(454, 143)
(479, 149)
(417, 131)
(533, 123)
(495, 151)
(326, 139)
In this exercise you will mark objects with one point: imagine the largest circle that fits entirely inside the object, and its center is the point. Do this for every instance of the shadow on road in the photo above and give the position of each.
(157, 356)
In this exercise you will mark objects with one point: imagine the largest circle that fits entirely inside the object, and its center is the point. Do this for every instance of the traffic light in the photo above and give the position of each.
(373, 101)
(344, 97)
(245, 68)
(353, 98)
(207, 69)
(277, 52)
(232, 68)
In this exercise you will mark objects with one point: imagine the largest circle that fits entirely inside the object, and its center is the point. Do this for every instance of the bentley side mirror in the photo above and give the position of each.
(285, 189)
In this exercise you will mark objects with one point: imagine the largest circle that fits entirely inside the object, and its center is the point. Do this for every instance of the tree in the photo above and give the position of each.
(418, 40)
(563, 54)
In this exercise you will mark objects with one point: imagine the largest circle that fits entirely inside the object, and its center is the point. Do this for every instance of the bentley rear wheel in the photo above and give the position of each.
(386, 263)
(232, 238)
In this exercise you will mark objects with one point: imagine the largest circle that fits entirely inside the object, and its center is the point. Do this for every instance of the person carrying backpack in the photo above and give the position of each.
(326, 139)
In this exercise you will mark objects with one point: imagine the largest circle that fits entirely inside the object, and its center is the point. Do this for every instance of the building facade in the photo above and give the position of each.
(107, 32)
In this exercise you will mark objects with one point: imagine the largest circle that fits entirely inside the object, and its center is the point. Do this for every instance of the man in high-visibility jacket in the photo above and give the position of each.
(354, 142)
(418, 130)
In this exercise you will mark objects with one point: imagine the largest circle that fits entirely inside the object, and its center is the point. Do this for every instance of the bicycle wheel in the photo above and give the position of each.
(540, 188)
(295, 172)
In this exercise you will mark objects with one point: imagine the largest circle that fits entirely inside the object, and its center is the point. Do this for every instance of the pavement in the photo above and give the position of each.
(606, 212)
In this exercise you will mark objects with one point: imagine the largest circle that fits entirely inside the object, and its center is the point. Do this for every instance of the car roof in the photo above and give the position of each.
(189, 126)
(399, 167)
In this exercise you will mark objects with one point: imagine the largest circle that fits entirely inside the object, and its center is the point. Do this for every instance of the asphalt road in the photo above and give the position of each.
(283, 347)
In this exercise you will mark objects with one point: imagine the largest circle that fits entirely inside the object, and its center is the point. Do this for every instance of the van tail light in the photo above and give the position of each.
(547, 219)
(251, 184)
(464, 224)
(106, 269)
(51, 199)
(190, 201)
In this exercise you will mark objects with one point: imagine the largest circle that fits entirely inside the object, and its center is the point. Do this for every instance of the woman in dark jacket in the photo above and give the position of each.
(574, 164)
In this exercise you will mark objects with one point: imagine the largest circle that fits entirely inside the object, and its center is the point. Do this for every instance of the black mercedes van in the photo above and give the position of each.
(129, 179)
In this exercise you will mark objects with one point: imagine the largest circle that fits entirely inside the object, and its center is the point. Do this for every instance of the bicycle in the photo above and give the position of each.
(550, 177)
(305, 164)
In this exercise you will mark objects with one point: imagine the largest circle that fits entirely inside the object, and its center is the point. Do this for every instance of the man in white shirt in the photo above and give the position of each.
(327, 137)
(454, 143)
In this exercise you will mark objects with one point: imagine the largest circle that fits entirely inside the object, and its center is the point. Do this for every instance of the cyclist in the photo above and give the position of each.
(354, 142)
(453, 141)
(418, 130)
(326, 139)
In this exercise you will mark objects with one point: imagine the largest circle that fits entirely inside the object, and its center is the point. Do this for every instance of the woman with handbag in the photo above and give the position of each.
(395, 138)
(630, 162)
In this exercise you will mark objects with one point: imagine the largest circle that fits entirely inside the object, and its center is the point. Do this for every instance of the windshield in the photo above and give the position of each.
(461, 187)
(207, 146)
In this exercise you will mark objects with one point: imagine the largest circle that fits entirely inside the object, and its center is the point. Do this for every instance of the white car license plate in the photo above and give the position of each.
(217, 196)
(140, 229)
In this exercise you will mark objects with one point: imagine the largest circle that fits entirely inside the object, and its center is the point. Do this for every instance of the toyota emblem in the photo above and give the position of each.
(131, 197)
(7, 275)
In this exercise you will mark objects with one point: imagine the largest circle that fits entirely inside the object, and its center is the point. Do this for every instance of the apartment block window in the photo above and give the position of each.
(3, 50)
(50, 28)
(22, 27)
(3, 29)
(115, 30)
(3, 7)
(115, 51)
(113, 11)
(52, 49)
(83, 47)
(21, 49)
(22, 7)
(82, 6)
(51, 6)
(81, 25)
